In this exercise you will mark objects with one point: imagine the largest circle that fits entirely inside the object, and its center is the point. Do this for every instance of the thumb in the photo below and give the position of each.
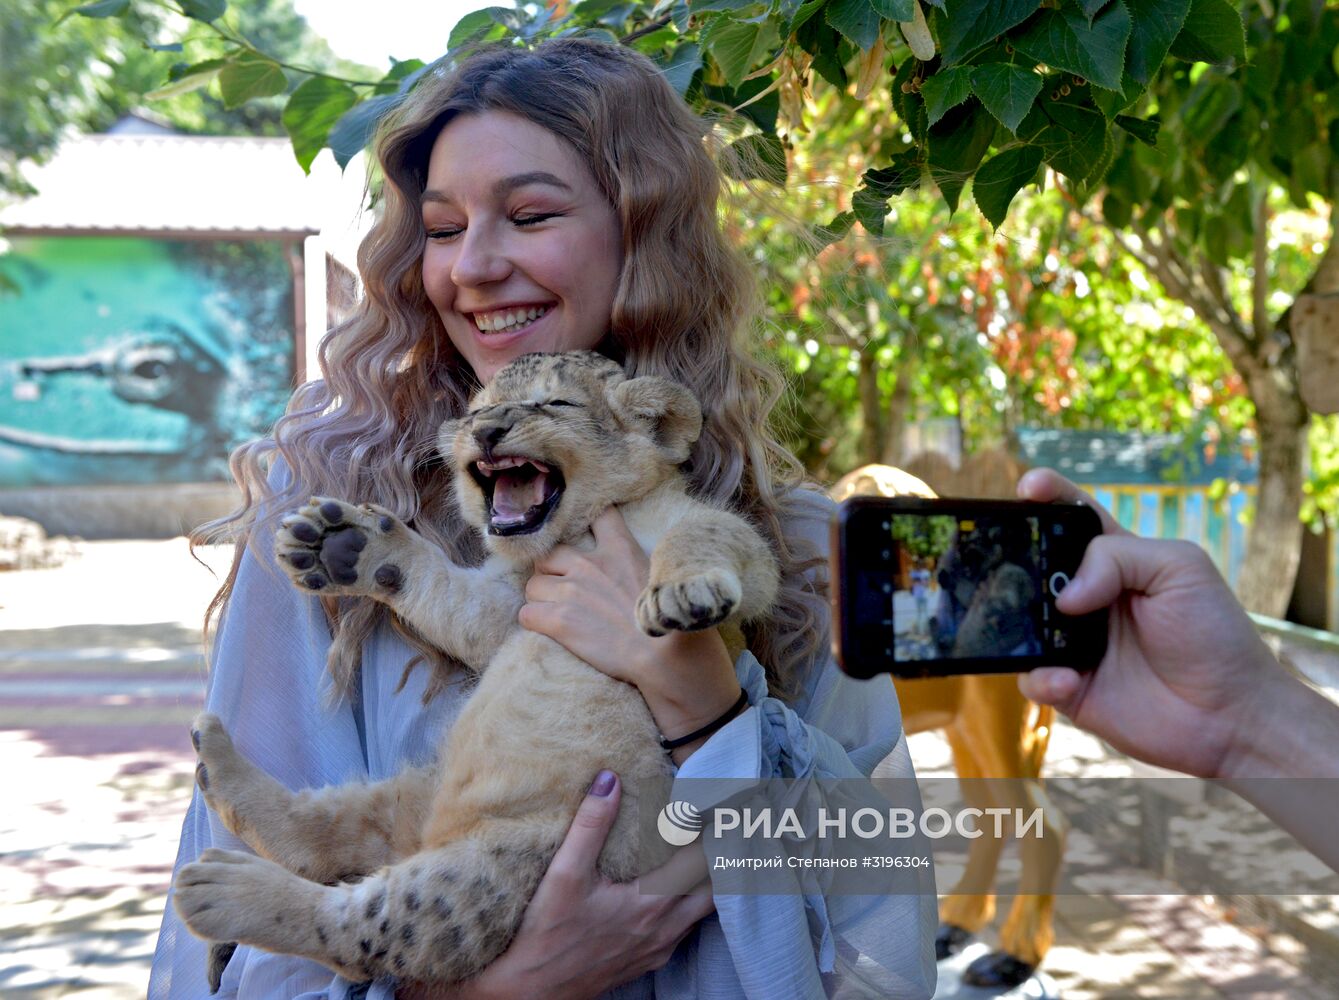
(590, 827)
(1114, 564)
(1057, 686)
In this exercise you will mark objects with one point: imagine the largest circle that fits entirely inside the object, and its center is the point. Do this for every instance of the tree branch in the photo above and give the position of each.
(646, 29)
(852, 332)
(1206, 296)
(1260, 267)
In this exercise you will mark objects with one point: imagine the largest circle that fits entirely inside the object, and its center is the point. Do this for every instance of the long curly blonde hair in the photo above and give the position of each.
(685, 306)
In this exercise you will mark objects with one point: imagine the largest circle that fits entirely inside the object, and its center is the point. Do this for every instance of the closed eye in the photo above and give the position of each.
(561, 402)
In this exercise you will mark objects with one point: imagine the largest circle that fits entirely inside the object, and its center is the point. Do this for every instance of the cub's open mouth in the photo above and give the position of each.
(521, 493)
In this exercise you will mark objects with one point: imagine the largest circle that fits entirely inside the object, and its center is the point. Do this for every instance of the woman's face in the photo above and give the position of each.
(523, 252)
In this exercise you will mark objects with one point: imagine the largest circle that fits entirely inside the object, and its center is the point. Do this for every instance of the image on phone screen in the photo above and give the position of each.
(966, 587)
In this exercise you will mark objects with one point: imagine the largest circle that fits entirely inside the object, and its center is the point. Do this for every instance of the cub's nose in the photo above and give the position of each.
(490, 434)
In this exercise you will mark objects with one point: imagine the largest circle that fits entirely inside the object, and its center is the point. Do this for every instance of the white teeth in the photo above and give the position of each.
(499, 321)
(508, 462)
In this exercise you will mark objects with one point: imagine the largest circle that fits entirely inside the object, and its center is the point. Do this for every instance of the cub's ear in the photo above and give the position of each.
(664, 411)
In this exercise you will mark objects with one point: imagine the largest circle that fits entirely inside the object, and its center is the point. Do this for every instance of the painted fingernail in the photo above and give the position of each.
(603, 784)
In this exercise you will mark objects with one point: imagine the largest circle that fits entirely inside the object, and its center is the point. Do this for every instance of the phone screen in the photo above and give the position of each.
(953, 586)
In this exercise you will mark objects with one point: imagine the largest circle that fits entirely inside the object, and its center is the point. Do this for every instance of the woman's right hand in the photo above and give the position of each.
(582, 935)
(1186, 682)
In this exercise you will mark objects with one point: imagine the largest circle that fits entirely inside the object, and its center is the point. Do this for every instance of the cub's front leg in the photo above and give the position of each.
(709, 567)
(336, 548)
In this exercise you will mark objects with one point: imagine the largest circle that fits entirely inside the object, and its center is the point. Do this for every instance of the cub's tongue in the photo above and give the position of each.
(515, 491)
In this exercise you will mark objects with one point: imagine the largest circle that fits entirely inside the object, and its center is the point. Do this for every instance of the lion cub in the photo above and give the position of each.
(452, 853)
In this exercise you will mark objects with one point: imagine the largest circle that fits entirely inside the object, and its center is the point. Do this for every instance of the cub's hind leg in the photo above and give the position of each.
(323, 834)
(440, 916)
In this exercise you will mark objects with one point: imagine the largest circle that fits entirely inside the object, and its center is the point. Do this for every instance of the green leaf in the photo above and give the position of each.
(756, 99)
(758, 157)
(903, 171)
(179, 71)
(946, 89)
(1213, 32)
(401, 77)
(1116, 210)
(827, 235)
(656, 42)
(896, 10)
(1143, 129)
(700, 6)
(471, 27)
(1007, 91)
(248, 78)
(1156, 23)
(681, 66)
(103, 8)
(1064, 40)
(870, 201)
(1075, 142)
(735, 46)
(1093, 179)
(805, 11)
(870, 209)
(1001, 177)
(857, 20)
(1310, 168)
(957, 144)
(311, 112)
(1213, 102)
(183, 78)
(354, 129)
(976, 23)
(203, 10)
(1228, 151)
(1091, 7)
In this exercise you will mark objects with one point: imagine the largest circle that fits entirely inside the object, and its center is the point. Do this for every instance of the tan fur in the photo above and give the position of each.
(453, 853)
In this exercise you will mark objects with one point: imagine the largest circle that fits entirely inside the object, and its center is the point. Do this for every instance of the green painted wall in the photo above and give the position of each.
(139, 360)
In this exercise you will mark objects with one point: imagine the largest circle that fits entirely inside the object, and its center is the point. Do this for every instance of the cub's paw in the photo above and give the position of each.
(225, 777)
(338, 548)
(688, 605)
(231, 896)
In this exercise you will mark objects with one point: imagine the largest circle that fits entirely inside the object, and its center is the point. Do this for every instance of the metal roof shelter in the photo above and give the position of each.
(146, 180)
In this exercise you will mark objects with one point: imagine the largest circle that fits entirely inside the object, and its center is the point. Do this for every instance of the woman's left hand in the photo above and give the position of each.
(586, 600)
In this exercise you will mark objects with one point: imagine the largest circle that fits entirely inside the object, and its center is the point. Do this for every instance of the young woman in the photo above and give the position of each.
(548, 200)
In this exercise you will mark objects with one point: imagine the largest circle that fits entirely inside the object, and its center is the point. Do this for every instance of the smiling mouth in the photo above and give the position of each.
(509, 320)
(521, 492)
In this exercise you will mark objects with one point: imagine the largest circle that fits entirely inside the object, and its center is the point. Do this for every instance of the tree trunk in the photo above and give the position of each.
(871, 409)
(1274, 546)
(899, 407)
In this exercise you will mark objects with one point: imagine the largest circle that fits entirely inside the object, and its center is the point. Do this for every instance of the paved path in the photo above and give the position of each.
(100, 673)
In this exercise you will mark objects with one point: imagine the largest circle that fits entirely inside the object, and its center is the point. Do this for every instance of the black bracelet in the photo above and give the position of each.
(740, 704)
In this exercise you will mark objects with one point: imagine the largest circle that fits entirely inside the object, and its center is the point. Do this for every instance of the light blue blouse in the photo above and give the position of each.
(268, 682)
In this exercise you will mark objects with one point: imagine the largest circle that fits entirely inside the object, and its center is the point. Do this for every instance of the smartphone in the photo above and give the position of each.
(933, 588)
